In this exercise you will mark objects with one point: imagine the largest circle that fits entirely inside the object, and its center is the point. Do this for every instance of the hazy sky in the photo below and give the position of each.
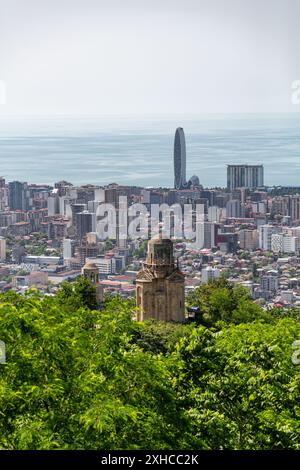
(149, 56)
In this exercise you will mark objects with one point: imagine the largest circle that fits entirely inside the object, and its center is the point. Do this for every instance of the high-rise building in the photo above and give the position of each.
(206, 234)
(294, 208)
(280, 205)
(234, 209)
(160, 284)
(179, 159)
(68, 248)
(88, 248)
(3, 194)
(85, 223)
(53, 203)
(269, 284)
(245, 176)
(2, 249)
(75, 209)
(265, 236)
(18, 196)
(248, 239)
(215, 214)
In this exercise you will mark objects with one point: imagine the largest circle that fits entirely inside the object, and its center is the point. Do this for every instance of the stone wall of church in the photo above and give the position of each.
(160, 299)
(175, 301)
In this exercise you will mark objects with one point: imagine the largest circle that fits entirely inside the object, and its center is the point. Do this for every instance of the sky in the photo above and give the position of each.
(86, 57)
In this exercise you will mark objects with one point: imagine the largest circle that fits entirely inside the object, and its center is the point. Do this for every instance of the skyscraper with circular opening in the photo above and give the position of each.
(179, 159)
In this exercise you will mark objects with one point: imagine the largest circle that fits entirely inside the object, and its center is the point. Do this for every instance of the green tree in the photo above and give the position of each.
(157, 337)
(76, 380)
(220, 300)
(80, 293)
(80, 378)
(239, 386)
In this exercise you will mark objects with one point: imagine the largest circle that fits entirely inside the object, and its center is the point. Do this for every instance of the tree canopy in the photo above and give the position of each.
(80, 378)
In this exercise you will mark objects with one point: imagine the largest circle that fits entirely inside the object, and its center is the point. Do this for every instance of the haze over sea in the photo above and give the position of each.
(138, 150)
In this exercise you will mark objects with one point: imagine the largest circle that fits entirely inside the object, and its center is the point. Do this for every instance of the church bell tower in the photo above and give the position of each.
(160, 284)
(91, 272)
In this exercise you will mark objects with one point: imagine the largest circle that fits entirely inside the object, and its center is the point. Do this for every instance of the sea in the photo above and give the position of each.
(138, 150)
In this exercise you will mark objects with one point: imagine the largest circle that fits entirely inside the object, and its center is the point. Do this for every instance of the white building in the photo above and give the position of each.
(215, 214)
(209, 273)
(2, 249)
(282, 243)
(206, 234)
(287, 296)
(265, 233)
(105, 265)
(68, 248)
(100, 194)
(277, 243)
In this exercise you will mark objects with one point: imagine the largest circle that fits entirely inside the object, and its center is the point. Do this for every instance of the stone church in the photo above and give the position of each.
(160, 284)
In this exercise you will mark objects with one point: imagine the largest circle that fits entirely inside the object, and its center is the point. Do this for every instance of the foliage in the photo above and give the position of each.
(80, 378)
(141, 251)
(158, 337)
(220, 300)
(239, 386)
(79, 293)
(67, 385)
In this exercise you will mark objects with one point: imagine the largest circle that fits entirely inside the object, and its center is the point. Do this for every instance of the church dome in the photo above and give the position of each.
(160, 241)
(91, 266)
(160, 251)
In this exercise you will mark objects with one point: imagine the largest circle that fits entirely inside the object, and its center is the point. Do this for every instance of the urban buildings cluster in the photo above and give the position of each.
(250, 232)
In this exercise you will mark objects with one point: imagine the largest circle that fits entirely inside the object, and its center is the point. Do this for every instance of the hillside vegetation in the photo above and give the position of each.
(79, 378)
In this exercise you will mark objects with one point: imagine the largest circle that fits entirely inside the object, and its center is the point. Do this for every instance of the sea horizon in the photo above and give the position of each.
(138, 149)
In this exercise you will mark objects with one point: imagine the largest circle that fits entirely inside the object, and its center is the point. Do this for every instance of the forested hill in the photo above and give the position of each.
(79, 378)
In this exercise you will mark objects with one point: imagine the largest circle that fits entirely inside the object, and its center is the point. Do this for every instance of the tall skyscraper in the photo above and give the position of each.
(245, 176)
(207, 234)
(294, 207)
(18, 196)
(3, 194)
(179, 159)
(85, 223)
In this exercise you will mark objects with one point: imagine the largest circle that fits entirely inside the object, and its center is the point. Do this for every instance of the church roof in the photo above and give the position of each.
(176, 276)
(144, 275)
(90, 265)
